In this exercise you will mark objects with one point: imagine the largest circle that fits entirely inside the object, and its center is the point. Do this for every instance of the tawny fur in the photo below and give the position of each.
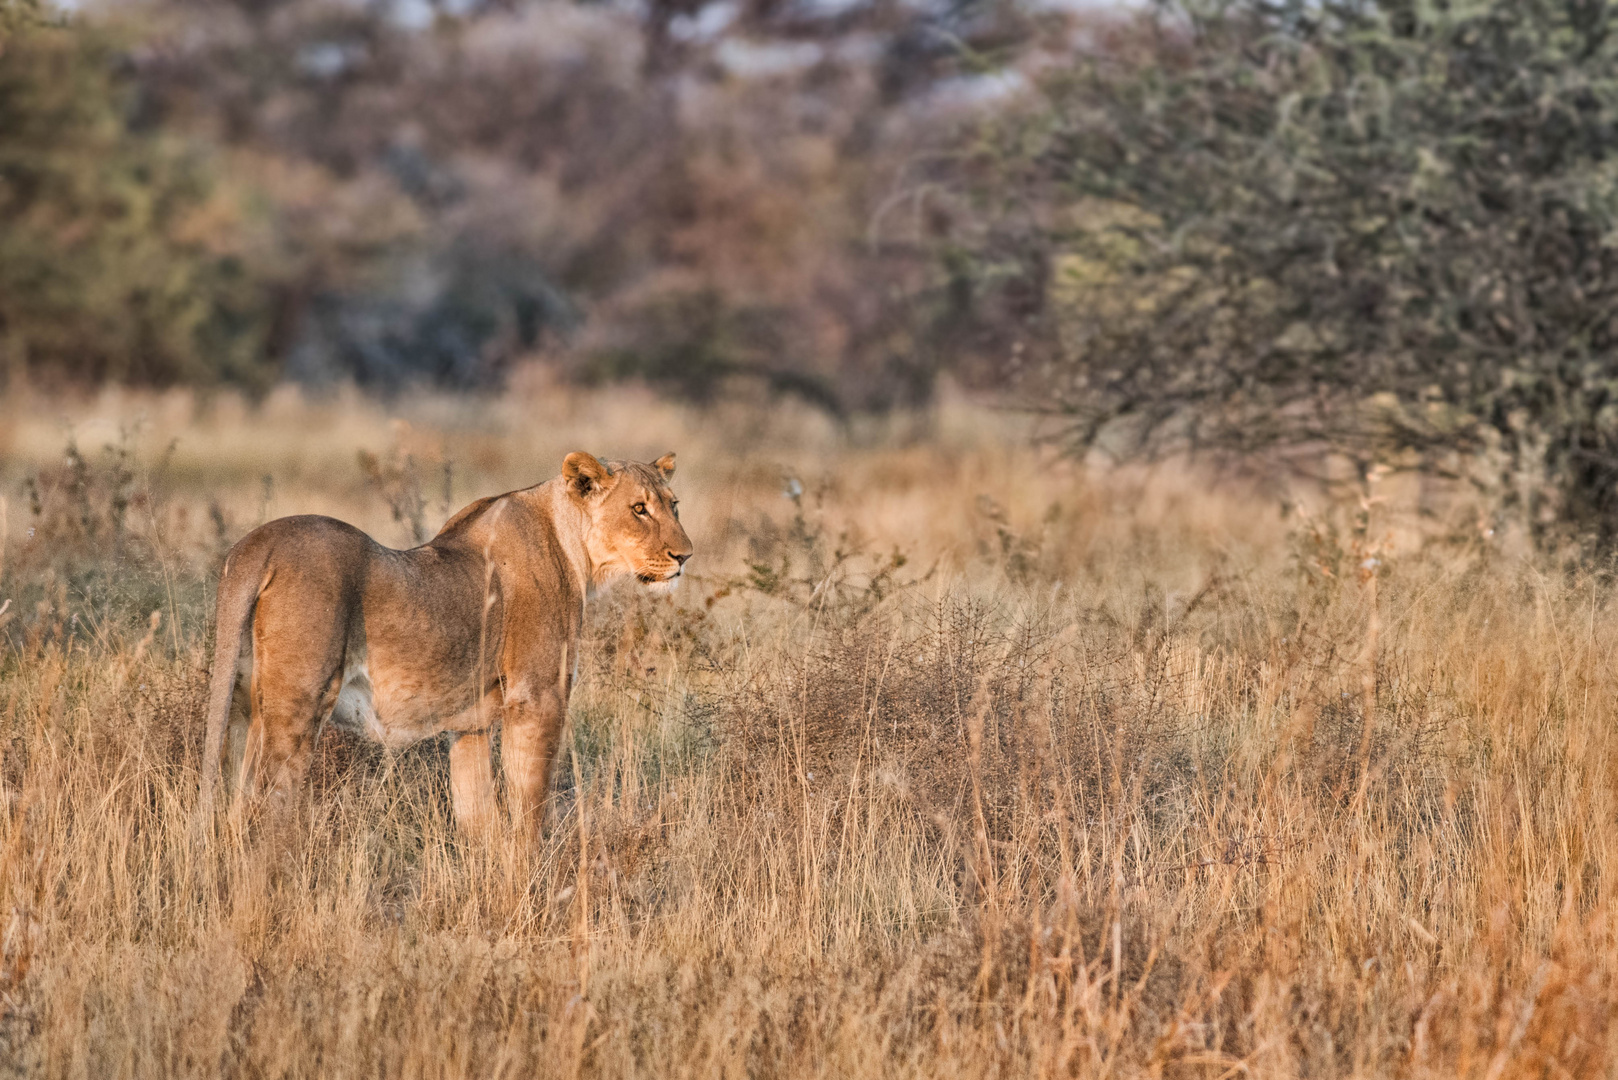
(318, 623)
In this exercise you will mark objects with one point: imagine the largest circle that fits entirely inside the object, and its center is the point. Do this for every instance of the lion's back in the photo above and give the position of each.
(313, 537)
(312, 554)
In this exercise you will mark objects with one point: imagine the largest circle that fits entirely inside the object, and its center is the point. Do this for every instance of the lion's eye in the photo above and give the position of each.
(675, 508)
(640, 509)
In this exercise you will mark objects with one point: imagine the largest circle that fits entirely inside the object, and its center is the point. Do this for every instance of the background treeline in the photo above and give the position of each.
(194, 191)
(1245, 227)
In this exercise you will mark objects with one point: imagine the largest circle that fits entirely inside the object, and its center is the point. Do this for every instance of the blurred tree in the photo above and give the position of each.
(116, 256)
(685, 192)
(16, 15)
(529, 176)
(1388, 228)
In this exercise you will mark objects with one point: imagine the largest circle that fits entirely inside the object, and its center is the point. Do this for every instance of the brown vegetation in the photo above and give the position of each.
(953, 758)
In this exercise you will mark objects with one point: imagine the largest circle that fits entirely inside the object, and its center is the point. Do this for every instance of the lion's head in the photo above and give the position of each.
(634, 518)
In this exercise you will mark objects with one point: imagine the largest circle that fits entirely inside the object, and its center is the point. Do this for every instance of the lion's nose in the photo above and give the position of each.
(677, 557)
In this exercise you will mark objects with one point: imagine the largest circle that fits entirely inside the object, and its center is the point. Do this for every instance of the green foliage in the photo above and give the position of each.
(117, 256)
(15, 16)
(1390, 229)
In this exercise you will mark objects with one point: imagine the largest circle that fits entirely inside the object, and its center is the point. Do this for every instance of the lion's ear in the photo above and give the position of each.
(584, 474)
(665, 465)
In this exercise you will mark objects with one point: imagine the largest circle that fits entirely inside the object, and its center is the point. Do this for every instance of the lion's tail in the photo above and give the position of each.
(238, 595)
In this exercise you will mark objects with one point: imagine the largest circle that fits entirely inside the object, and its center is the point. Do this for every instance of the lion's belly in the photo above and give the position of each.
(396, 704)
(413, 652)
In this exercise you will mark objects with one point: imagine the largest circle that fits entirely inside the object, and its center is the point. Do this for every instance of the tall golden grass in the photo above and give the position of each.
(953, 758)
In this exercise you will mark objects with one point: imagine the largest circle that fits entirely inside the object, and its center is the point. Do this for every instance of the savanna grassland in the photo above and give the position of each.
(951, 758)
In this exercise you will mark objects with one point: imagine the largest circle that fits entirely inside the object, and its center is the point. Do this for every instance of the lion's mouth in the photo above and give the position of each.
(654, 577)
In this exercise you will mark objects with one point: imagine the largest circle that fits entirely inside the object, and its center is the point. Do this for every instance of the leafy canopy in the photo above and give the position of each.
(118, 258)
(1390, 229)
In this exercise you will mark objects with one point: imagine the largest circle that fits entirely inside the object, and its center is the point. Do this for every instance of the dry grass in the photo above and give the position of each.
(1103, 774)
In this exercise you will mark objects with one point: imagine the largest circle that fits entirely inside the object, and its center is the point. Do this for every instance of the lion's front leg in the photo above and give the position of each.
(530, 731)
(471, 782)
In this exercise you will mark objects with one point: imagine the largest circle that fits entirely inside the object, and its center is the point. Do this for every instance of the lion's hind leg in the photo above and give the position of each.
(292, 695)
(281, 742)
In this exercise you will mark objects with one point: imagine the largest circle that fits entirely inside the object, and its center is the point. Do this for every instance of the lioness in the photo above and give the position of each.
(317, 622)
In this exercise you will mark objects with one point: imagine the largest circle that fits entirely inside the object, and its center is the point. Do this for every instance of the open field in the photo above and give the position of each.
(964, 760)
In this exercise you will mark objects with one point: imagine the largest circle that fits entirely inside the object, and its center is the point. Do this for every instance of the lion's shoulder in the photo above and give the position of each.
(468, 514)
(515, 516)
